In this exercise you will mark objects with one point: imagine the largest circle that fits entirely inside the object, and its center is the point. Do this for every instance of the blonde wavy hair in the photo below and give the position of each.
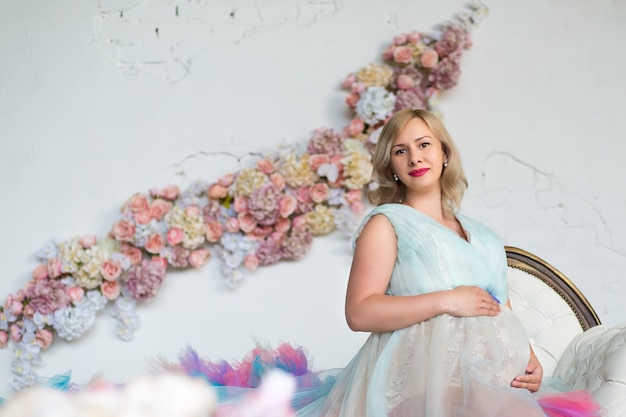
(453, 180)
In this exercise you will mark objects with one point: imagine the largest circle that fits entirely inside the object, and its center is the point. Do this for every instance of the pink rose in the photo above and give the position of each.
(133, 254)
(16, 307)
(4, 338)
(353, 99)
(155, 243)
(429, 58)
(388, 52)
(159, 261)
(29, 311)
(193, 211)
(158, 208)
(354, 195)
(355, 127)
(247, 222)
(175, 236)
(138, 202)
(41, 272)
(287, 205)
(405, 82)
(240, 204)
(350, 79)
(88, 241)
(400, 39)
(75, 293)
(402, 54)
(265, 165)
(226, 180)
(358, 88)
(143, 217)
(303, 195)
(43, 338)
(214, 231)
(277, 180)
(231, 225)
(317, 160)
(299, 222)
(260, 232)
(319, 192)
(16, 332)
(217, 191)
(414, 37)
(54, 268)
(170, 192)
(199, 257)
(123, 230)
(283, 224)
(357, 207)
(251, 261)
(110, 289)
(110, 270)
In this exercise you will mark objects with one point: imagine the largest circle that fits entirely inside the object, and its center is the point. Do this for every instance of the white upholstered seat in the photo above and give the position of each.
(566, 333)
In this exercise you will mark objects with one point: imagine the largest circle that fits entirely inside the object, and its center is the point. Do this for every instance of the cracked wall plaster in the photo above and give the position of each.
(161, 37)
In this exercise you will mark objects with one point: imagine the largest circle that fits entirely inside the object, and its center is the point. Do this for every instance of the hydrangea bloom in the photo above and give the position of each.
(375, 105)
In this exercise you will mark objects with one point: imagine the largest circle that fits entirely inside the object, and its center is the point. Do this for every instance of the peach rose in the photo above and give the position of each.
(287, 205)
(16, 333)
(429, 58)
(159, 260)
(158, 208)
(355, 127)
(123, 230)
(175, 236)
(110, 270)
(402, 54)
(388, 52)
(405, 82)
(87, 241)
(170, 192)
(41, 272)
(304, 196)
(4, 338)
(260, 232)
(16, 307)
(352, 99)
(138, 202)
(299, 222)
(251, 261)
(133, 254)
(217, 191)
(319, 192)
(199, 257)
(265, 166)
(75, 293)
(414, 37)
(231, 225)
(399, 39)
(214, 231)
(240, 204)
(247, 222)
(54, 268)
(155, 243)
(143, 217)
(283, 224)
(317, 160)
(110, 289)
(278, 180)
(193, 211)
(43, 338)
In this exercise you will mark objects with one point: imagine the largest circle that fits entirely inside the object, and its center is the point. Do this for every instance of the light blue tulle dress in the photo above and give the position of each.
(445, 366)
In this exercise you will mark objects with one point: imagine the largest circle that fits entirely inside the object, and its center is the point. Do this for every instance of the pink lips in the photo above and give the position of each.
(418, 172)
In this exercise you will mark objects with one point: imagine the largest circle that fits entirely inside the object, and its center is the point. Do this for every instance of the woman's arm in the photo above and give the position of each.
(369, 309)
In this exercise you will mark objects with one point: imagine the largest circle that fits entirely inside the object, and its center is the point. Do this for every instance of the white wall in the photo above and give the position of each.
(86, 121)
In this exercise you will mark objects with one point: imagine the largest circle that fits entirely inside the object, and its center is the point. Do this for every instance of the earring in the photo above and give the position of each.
(445, 163)
(395, 177)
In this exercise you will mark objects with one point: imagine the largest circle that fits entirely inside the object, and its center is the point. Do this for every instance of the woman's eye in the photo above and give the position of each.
(400, 151)
(424, 144)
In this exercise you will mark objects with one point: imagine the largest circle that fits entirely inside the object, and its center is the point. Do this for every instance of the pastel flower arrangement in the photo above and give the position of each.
(255, 217)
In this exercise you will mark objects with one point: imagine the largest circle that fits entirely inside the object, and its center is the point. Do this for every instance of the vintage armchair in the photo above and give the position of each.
(565, 332)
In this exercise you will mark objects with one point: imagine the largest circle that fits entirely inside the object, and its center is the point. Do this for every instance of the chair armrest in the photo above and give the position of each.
(596, 361)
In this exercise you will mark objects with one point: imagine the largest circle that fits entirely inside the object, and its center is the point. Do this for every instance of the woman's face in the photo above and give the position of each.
(417, 157)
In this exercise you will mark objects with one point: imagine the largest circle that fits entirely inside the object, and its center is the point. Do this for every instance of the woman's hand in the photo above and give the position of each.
(534, 373)
(471, 302)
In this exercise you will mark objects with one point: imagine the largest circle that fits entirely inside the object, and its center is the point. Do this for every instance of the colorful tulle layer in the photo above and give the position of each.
(570, 404)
